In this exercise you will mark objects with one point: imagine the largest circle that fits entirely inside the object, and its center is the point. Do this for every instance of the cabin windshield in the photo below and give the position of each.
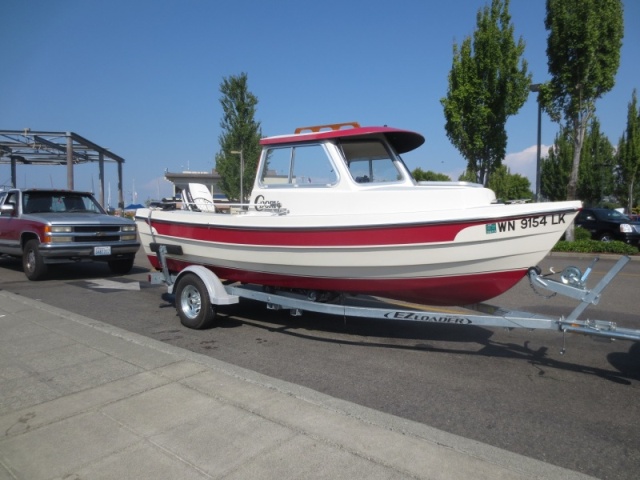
(369, 161)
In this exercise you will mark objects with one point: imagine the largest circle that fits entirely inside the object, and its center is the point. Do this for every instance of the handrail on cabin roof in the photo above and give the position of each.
(330, 126)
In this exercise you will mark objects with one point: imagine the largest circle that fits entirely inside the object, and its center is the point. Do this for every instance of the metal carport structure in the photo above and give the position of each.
(28, 147)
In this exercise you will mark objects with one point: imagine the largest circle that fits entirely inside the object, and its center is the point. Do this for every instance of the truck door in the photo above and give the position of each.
(9, 225)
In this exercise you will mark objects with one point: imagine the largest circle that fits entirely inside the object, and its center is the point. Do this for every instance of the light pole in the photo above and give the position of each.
(239, 152)
(535, 87)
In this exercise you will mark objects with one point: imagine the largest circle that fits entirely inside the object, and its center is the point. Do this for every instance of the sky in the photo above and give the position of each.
(142, 77)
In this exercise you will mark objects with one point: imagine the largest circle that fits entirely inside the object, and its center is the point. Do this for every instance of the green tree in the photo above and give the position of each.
(595, 178)
(240, 133)
(488, 82)
(583, 50)
(510, 186)
(429, 176)
(556, 168)
(468, 176)
(628, 156)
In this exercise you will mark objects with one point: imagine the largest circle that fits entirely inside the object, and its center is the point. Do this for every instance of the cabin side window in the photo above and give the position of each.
(370, 162)
(301, 165)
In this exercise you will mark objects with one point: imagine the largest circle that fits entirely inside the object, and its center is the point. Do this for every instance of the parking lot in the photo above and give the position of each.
(512, 389)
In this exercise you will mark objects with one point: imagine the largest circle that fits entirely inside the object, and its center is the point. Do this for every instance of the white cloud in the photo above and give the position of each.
(453, 174)
(524, 162)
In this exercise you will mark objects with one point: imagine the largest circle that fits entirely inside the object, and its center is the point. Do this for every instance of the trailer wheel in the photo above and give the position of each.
(32, 262)
(192, 302)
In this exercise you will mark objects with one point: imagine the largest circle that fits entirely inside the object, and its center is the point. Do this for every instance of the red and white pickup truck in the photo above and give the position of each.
(60, 226)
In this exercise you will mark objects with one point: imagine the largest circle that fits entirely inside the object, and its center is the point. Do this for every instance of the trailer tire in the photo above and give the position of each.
(193, 304)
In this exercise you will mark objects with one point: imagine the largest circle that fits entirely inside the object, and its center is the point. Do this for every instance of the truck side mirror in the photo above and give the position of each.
(7, 208)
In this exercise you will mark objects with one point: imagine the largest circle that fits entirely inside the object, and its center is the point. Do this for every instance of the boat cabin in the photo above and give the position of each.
(345, 159)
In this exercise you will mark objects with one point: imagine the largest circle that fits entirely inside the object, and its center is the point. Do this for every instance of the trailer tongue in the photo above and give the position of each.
(199, 291)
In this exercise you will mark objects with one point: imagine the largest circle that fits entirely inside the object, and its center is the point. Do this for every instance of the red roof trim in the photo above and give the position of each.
(402, 140)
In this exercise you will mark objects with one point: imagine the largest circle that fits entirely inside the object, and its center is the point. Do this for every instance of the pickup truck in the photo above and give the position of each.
(44, 227)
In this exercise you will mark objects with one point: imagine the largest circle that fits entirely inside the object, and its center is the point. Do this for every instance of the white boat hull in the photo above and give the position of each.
(476, 256)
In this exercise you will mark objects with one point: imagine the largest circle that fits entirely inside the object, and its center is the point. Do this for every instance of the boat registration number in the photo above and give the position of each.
(526, 223)
(102, 250)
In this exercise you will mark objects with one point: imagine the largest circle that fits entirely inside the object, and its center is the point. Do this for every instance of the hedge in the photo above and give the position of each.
(595, 246)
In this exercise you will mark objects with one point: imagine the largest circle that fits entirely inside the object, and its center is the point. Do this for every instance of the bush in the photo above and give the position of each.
(582, 234)
(595, 246)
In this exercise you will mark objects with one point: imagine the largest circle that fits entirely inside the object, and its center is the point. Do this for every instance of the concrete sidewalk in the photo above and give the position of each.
(80, 399)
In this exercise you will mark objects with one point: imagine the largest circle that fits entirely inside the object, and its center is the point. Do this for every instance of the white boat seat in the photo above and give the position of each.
(199, 198)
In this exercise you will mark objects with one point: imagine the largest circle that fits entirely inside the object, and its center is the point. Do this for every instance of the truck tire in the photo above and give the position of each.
(193, 304)
(32, 262)
(121, 266)
(605, 237)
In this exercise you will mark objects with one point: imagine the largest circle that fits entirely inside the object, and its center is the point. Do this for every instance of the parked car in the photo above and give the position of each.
(58, 226)
(607, 225)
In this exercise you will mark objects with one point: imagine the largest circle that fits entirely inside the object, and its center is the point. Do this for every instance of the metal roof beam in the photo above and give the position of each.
(60, 148)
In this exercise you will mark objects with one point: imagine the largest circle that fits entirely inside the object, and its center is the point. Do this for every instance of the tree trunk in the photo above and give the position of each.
(578, 140)
(572, 187)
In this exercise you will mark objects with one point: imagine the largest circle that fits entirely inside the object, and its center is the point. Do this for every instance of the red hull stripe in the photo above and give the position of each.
(317, 237)
(458, 290)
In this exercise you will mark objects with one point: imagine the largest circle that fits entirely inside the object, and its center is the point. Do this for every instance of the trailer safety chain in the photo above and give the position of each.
(539, 293)
(533, 287)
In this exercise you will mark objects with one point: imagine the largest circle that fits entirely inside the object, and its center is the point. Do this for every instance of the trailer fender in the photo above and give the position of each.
(218, 294)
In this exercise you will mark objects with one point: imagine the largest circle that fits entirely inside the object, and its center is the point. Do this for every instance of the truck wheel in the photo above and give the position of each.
(32, 262)
(121, 266)
(192, 302)
(605, 237)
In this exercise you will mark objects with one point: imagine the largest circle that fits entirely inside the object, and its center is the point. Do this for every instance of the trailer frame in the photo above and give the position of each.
(198, 291)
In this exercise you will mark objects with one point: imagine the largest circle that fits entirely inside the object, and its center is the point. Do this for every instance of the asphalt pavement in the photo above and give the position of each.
(81, 399)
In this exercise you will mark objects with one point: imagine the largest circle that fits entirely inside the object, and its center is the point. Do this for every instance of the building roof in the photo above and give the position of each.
(30, 147)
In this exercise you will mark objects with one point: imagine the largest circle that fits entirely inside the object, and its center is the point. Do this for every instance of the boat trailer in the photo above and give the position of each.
(198, 291)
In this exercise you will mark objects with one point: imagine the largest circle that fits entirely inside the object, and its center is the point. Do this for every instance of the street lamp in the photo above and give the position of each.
(535, 87)
(239, 152)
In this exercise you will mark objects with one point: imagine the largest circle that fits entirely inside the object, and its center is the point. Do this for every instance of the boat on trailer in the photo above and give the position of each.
(334, 209)
(335, 213)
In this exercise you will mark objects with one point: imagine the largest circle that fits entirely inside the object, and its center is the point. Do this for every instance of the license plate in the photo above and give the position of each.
(101, 251)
